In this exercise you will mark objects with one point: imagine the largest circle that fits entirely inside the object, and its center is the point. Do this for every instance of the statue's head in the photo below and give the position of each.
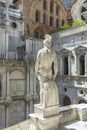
(48, 41)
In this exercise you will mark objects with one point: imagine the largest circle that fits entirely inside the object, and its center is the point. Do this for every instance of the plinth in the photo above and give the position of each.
(47, 118)
(46, 112)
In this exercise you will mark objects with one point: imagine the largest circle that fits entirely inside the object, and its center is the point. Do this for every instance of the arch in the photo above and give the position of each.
(37, 16)
(66, 100)
(39, 33)
(17, 74)
(79, 100)
(76, 10)
(82, 65)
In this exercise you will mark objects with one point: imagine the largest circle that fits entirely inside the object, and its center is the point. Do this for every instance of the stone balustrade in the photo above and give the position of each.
(68, 114)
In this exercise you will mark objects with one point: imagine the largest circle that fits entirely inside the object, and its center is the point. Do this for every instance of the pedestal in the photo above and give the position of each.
(50, 123)
(46, 112)
(47, 118)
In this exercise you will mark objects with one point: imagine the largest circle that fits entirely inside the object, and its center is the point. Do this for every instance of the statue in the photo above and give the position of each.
(46, 70)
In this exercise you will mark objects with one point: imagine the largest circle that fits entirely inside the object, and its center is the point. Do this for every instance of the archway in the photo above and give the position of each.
(66, 101)
(80, 100)
(39, 33)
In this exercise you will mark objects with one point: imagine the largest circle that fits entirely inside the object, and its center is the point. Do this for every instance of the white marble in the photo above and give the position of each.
(76, 125)
(46, 68)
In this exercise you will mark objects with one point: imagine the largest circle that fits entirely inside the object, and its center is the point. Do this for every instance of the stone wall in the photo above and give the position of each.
(18, 92)
(28, 14)
(25, 125)
(67, 114)
(71, 43)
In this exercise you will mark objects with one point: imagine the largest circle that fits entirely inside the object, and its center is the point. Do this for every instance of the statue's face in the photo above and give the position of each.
(47, 43)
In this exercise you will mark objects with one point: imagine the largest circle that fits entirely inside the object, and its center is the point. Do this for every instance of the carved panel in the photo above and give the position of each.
(16, 112)
(17, 87)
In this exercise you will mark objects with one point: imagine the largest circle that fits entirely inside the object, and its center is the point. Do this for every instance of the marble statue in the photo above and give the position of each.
(46, 70)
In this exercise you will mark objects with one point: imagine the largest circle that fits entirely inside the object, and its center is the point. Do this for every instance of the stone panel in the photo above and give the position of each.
(2, 116)
(17, 87)
(16, 112)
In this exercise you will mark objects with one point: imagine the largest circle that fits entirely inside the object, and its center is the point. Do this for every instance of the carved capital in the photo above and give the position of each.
(8, 101)
(28, 97)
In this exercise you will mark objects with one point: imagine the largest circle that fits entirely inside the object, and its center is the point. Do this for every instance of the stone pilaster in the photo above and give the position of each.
(61, 65)
(86, 64)
(69, 64)
(7, 32)
(8, 99)
(7, 82)
(27, 92)
(7, 14)
(31, 89)
(6, 43)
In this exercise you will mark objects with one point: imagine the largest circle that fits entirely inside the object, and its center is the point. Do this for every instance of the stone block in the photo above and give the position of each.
(50, 123)
(46, 112)
(82, 111)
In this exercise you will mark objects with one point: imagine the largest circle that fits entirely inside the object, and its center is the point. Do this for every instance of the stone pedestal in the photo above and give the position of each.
(47, 118)
(82, 111)
(46, 112)
(50, 123)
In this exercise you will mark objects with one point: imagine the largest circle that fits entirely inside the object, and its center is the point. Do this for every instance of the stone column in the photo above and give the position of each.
(35, 91)
(6, 43)
(61, 65)
(7, 25)
(7, 116)
(27, 92)
(31, 89)
(86, 64)
(7, 82)
(7, 14)
(7, 96)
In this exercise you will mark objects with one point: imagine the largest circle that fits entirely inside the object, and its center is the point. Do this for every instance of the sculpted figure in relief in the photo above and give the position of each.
(46, 70)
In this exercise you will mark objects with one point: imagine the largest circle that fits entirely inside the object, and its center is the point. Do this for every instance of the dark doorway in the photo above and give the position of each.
(66, 101)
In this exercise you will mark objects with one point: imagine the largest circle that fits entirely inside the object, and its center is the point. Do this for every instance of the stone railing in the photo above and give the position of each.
(67, 114)
(73, 30)
(29, 124)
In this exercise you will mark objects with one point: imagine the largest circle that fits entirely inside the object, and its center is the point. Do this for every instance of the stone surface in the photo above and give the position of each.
(46, 112)
(76, 125)
(82, 112)
(67, 119)
(49, 123)
(31, 26)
